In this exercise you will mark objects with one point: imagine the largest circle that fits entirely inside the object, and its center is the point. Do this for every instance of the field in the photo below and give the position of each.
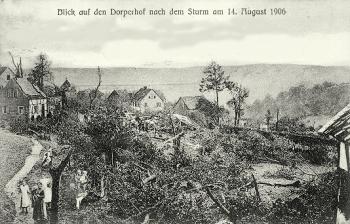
(13, 150)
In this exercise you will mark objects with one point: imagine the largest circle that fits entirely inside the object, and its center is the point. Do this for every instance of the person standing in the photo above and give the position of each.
(25, 199)
(77, 178)
(83, 180)
(37, 197)
(47, 195)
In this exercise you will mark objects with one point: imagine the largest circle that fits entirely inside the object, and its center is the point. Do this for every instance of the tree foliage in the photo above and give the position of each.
(300, 101)
(214, 80)
(41, 71)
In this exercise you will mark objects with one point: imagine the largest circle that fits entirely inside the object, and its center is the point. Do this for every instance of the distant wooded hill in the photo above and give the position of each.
(260, 79)
(311, 104)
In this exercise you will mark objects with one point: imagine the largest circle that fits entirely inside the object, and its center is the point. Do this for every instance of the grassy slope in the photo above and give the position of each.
(13, 151)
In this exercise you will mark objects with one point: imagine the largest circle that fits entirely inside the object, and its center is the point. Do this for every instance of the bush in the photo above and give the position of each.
(317, 204)
(19, 125)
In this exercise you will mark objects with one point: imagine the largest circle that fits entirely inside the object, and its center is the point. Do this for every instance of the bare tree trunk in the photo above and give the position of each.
(223, 209)
(55, 196)
(56, 177)
(93, 95)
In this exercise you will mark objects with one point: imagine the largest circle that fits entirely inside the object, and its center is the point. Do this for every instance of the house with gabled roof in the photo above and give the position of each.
(187, 104)
(114, 96)
(66, 86)
(20, 98)
(339, 129)
(146, 99)
(6, 74)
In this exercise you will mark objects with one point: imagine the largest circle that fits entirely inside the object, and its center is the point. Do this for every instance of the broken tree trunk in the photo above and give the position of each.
(223, 209)
(173, 138)
(148, 179)
(294, 184)
(256, 188)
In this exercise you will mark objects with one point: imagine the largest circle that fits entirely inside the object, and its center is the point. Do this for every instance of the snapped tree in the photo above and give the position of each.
(17, 66)
(94, 93)
(239, 95)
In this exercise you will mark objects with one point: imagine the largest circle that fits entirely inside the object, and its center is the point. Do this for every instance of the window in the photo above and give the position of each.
(21, 110)
(8, 77)
(4, 110)
(15, 93)
(11, 93)
(35, 109)
(159, 104)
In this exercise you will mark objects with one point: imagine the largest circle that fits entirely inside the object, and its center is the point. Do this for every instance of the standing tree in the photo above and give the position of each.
(268, 117)
(239, 95)
(277, 117)
(214, 80)
(41, 71)
(73, 141)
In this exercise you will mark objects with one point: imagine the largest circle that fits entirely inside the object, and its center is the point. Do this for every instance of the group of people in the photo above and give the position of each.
(39, 196)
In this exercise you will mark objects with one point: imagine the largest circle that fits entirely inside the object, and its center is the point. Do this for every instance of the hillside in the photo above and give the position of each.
(260, 79)
(314, 105)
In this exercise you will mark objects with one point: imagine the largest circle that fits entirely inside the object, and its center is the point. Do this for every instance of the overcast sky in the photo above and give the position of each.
(312, 32)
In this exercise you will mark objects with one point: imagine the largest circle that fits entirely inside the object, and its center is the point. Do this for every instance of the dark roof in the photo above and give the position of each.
(338, 126)
(28, 88)
(3, 69)
(66, 85)
(113, 94)
(139, 95)
(191, 102)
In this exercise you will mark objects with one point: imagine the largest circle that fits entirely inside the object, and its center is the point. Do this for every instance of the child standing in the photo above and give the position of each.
(25, 199)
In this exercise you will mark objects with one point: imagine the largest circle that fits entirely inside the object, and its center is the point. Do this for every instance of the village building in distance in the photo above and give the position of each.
(20, 98)
(187, 104)
(339, 128)
(146, 99)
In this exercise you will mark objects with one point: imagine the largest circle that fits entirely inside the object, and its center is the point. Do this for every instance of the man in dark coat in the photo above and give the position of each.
(37, 198)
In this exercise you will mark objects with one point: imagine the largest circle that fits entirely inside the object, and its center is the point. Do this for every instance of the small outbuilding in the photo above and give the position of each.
(339, 128)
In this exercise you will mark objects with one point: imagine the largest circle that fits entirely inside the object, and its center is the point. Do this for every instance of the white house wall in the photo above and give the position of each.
(344, 165)
(38, 103)
(151, 99)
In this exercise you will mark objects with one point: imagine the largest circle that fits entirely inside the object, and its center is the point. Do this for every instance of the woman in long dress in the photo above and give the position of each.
(37, 197)
(25, 199)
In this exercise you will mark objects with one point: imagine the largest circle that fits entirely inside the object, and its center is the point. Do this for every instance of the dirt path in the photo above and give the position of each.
(11, 188)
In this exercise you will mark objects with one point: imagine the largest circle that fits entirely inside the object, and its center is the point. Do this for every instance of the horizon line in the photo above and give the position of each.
(193, 66)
